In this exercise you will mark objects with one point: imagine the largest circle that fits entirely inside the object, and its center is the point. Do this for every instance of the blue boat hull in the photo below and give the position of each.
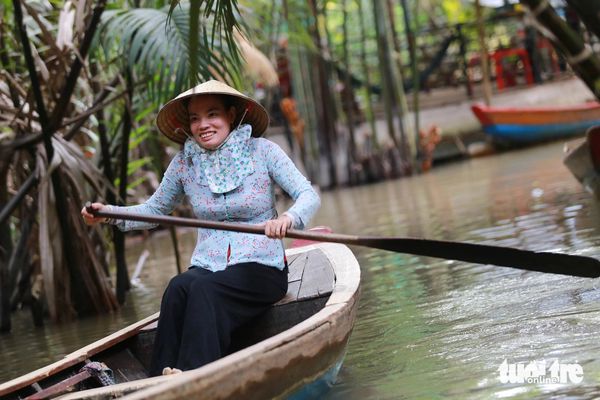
(537, 133)
(318, 388)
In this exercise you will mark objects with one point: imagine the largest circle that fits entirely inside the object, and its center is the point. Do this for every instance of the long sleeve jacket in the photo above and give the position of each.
(264, 164)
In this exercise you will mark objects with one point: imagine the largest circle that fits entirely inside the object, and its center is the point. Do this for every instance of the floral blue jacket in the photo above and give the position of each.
(252, 166)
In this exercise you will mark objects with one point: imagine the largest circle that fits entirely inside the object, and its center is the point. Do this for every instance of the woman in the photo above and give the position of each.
(228, 173)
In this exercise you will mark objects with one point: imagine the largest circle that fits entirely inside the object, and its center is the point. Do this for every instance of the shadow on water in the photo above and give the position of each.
(428, 328)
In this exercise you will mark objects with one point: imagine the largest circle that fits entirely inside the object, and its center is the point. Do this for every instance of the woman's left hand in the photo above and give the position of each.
(277, 228)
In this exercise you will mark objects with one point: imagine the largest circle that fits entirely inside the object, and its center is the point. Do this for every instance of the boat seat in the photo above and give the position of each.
(302, 286)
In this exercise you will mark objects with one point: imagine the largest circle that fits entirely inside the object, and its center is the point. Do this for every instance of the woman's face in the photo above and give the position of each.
(210, 122)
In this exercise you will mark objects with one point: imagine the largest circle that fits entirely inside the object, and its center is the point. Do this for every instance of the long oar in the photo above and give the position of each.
(555, 263)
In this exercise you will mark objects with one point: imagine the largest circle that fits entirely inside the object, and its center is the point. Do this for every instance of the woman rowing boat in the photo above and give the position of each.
(228, 173)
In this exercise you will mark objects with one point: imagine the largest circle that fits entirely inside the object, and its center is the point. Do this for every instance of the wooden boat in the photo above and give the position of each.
(294, 350)
(519, 125)
(583, 160)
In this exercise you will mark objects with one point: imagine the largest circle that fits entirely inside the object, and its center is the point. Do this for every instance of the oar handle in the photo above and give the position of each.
(224, 226)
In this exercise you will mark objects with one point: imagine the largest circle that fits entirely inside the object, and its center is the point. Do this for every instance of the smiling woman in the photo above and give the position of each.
(229, 174)
(210, 120)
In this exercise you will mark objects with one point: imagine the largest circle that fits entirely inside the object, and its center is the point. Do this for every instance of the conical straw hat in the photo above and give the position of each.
(172, 119)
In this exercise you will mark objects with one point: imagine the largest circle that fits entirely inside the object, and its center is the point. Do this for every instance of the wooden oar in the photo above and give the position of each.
(555, 263)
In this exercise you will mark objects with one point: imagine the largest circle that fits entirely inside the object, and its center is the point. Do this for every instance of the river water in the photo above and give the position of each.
(427, 328)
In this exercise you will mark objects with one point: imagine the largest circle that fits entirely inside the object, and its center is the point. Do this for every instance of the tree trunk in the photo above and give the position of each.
(348, 98)
(400, 95)
(385, 70)
(589, 12)
(81, 301)
(374, 143)
(483, 55)
(6, 249)
(463, 60)
(410, 38)
(323, 97)
(19, 268)
(123, 284)
(156, 151)
(580, 57)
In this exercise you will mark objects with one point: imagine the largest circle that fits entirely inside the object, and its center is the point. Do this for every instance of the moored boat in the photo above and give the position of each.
(522, 125)
(294, 349)
(583, 160)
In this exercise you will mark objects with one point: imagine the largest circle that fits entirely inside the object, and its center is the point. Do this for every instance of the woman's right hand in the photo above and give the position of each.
(89, 218)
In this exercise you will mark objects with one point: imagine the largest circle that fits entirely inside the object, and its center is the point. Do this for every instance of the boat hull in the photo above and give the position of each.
(530, 125)
(300, 343)
(285, 363)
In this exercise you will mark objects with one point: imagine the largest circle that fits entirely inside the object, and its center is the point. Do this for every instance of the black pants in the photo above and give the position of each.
(200, 309)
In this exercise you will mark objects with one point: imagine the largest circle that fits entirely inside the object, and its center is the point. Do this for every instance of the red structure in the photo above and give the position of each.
(504, 77)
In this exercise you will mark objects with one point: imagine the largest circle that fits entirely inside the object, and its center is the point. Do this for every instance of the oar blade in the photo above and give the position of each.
(555, 263)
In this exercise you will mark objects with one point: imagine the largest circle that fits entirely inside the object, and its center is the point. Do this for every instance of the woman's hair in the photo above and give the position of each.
(228, 101)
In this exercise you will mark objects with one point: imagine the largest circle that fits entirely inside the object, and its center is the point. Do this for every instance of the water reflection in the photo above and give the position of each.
(431, 328)
(427, 328)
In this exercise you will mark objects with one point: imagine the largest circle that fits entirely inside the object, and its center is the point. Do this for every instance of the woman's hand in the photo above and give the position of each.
(89, 218)
(277, 228)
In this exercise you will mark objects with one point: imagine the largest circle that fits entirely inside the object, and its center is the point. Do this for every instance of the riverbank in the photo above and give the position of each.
(450, 109)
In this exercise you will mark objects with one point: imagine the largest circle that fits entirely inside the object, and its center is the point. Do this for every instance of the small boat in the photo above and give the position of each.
(583, 160)
(524, 125)
(294, 350)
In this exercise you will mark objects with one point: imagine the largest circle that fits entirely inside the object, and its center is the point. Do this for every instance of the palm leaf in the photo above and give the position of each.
(158, 45)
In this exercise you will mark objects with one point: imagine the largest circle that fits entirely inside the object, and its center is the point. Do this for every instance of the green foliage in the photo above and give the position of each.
(155, 43)
(138, 164)
(133, 169)
(224, 22)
